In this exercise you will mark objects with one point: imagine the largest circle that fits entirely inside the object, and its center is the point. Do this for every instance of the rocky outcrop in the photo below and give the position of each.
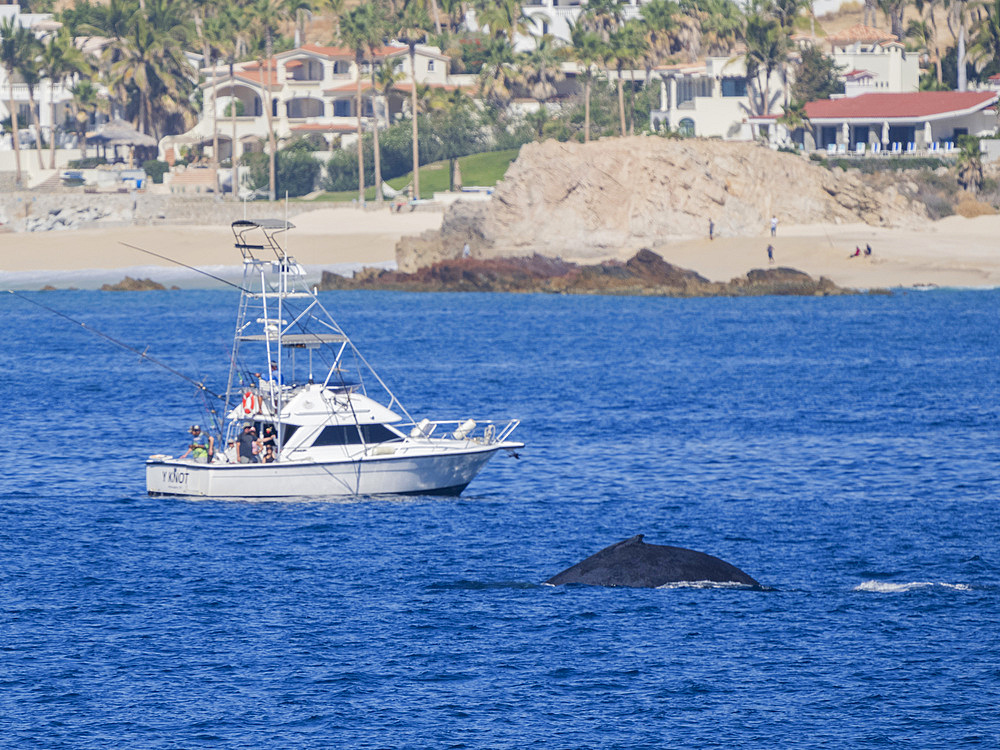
(128, 284)
(646, 273)
(611, 197)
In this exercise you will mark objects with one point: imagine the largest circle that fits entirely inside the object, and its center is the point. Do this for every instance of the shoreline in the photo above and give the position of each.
(954, 253)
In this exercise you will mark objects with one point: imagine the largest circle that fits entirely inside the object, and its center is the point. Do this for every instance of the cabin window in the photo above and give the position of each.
(352, 434)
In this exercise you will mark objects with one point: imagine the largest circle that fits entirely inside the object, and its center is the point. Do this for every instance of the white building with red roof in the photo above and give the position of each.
(712, 98)
(893, 123)
(312, 90)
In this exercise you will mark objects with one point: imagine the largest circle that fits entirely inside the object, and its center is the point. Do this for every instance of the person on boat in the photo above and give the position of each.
(202, 446)
(268, 439)
(245, 452)
(268, 456)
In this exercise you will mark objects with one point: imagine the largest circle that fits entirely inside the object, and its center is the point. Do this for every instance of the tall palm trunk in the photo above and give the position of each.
(52, 137)
(586, 109)
(621, 101)
(378, 155)
(413, 108)
(271, 144)
(18, 177)
(38, 127)
(437, 17)
(631, 97)
(215, 129)
(361, 149)
(962, 80)
(234, 178)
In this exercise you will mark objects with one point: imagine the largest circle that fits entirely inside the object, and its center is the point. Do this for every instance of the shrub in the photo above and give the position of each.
(155, 169)
(89, 163)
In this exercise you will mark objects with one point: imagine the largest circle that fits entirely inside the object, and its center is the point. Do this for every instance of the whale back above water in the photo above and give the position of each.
(635, 564)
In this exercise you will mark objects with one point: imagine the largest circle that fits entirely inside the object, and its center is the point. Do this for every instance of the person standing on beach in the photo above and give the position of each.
(774, 225)
(711, 229)
(770, 253)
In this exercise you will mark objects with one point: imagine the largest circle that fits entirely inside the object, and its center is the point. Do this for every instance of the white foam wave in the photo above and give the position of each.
(704, 585)
(887, 587)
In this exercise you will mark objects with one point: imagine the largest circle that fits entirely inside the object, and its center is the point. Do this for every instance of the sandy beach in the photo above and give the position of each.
(340, 239)
(953, 252)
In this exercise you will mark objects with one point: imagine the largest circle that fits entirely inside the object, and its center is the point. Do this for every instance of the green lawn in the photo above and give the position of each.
(486, 169)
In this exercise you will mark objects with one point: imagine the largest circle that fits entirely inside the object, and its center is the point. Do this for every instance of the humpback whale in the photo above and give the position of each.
(639, 565)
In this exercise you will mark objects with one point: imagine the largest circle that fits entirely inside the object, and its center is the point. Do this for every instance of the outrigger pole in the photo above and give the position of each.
(185, 265)
(197, 383)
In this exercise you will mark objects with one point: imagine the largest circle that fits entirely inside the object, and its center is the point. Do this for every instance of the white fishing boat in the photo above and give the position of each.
(295, 376)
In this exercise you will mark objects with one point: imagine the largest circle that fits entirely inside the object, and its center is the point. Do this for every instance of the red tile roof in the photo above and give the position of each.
(922, 104)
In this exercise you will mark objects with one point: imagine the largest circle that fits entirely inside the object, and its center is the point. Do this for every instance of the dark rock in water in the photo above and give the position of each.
(128, 284)
(646, 273)
(48, 288)
(636, 564)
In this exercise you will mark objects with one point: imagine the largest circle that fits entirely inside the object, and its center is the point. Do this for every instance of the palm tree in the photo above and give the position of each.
(215, 32)
(985, 45)
(62, 60)
(32, 73)
(503, 18)
(924, 33)
(957, 23)
(264, 17)
(970, 165)
(15, 44)
(588, 50)
(499, 75)
(603, 16)
(86, 100)
(361, 30)
(151, 70)
(540, 68)
(616, 55)
(410, 26)
(662, 19)
(385, 79)
(767, 51)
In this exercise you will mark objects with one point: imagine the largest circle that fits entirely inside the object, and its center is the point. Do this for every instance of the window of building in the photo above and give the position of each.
(686, 127)
(430, 65)
(734, 87)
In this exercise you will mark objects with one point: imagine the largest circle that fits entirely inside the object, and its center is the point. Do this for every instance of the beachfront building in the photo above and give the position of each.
(873, 61)
(312, 90)
(918, 122)
(713, 99)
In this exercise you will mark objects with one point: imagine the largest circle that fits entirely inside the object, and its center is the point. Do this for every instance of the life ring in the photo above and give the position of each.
(251, 403)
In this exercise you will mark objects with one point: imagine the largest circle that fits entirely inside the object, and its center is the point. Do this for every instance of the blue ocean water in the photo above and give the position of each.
(843, 451)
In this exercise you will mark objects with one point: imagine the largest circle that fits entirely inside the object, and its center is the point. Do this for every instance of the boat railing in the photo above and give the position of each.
(485, 431)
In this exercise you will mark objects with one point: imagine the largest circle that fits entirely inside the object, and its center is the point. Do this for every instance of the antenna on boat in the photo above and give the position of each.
(142, 353)
(185, 265)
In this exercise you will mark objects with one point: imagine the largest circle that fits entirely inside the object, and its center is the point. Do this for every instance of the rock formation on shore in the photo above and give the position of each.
(611, 197)
(128, 284)
(644, 274)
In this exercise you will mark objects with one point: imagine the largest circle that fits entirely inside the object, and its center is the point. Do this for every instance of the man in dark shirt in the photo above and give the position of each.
(244, 445)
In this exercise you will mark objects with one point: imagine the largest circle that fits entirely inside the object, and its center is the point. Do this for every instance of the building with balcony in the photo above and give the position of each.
(312, 90)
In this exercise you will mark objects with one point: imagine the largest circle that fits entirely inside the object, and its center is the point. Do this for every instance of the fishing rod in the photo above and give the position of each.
(185, 265)
(197, 383)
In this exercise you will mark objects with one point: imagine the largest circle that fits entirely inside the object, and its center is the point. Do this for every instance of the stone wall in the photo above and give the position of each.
(28, 208)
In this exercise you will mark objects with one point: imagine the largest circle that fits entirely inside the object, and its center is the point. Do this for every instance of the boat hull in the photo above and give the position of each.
(440, 474)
